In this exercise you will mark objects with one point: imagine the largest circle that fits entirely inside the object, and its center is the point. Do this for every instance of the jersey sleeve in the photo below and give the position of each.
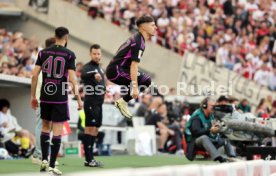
(136, 50)
(71, 62)
(39, 59)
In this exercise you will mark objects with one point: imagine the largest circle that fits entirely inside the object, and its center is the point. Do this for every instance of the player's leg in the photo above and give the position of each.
(87, 132)
(56, 141)
(97, 123)
(45, 143)
(45, 110)
(121, 77)
(144, 82)
(37, 153)
(93, 121)
(60, 114)
(143, 79)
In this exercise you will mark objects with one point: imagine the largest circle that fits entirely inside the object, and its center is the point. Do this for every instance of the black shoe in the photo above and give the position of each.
(93, 163)
(221, 159)
(27, 153)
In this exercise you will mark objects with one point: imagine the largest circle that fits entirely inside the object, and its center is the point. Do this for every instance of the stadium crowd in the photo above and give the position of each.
(17, 53)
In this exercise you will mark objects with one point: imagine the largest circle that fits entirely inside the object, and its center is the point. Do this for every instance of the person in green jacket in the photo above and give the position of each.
(244, 106)
(201, 133)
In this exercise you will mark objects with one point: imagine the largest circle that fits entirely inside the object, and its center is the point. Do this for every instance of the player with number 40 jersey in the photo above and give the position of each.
(55, 62)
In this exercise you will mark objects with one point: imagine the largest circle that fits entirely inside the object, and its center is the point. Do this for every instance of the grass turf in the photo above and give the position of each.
(68, 164)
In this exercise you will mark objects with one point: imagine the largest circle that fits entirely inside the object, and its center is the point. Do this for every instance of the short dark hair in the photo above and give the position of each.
(95, 46)
(4, 103)
(222, 98)
(50, 42)
(60, 32)
(144, 19)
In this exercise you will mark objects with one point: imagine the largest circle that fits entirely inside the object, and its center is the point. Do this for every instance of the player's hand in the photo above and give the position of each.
(34, 103)
(98, 77)
(134, 92)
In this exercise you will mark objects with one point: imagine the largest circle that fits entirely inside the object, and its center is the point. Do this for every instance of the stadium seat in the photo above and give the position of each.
(184, 145)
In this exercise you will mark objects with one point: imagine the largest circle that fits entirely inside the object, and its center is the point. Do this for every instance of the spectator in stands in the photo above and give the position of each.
(245, 67)
(273, 111)
(268, 103)
(144, 105)
(5, 68)
(94, 6)
(274, 55)
(222, 57)
(272, 80)
(223, 100)
(262, 76)
(156, 119)
(262, 110)
(79, 66)
(244, 106)
(233, 101)
(202, 134)
(16, 54)
(11, 132)
(155, 103)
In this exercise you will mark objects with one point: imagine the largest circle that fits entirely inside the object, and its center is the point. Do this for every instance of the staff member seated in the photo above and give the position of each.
(201, 134)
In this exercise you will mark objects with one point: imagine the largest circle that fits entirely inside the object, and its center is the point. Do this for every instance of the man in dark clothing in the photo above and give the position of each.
(92, 76)
(143, 108)
(157, 119)
(200, 133)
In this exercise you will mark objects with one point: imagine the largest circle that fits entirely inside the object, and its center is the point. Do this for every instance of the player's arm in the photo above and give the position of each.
(133, 76)
(36, 71)
(73, 81)
(135, 58)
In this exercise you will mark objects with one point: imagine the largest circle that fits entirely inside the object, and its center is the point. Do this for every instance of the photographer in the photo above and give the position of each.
(200, 133)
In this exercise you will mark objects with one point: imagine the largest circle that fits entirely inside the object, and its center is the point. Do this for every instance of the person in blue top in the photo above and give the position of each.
(202, 134)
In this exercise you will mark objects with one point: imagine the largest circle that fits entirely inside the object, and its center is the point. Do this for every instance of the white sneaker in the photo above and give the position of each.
(44, 166)
(54, 171)
(179, 152)
(36, 160)
(123, 108)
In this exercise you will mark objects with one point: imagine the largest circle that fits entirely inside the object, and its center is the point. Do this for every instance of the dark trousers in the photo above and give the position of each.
(121, 76)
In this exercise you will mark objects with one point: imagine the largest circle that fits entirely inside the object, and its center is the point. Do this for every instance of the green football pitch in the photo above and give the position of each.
(69, 164)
